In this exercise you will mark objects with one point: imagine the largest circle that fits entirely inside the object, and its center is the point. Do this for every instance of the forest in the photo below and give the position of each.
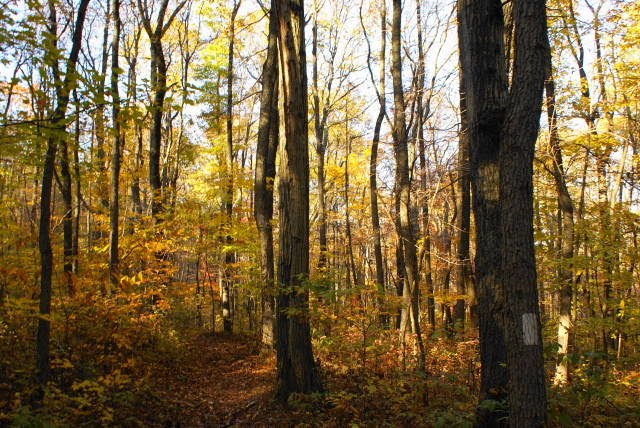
(320, 213)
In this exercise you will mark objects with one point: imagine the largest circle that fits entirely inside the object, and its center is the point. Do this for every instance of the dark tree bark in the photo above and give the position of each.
(403, 187)
(117, 144)
(523, 338)
(484, 81)
(57, 123)
(503, 124)
(267, 146)
(296, 370)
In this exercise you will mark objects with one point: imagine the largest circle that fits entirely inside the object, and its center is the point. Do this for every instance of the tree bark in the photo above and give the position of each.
(267, 145)
(483, 81)
(296, 370)
(527, 394)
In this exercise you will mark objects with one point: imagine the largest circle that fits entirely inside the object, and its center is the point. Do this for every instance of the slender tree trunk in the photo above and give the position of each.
(463, 219)
(319, 125)
(425, 255)
(296, 370)
(403, 187)
(565, 226)
(229, 257)
(373, 163)
(63, 90)
(118, 142)
(268, 135)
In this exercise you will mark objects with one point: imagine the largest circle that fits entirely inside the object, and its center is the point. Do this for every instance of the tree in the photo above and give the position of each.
(116, 149)
(503, 124)
(267, 145)
(158, 81)
(57, 122)
(403, 187)
(296, 370)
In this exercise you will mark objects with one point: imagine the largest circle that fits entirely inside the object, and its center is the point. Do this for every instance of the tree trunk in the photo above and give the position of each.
(403, 187)
(373, 163)
(484, 84)
(57, 121)
(296, 370)
(267, 144)
(229, 257)
(565, 226)
(118, 142)
(463, 219)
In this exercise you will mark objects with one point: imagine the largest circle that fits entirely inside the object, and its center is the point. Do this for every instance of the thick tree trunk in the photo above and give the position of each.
(296, 370)
(484, 84)
(523, 338)
(267, 145)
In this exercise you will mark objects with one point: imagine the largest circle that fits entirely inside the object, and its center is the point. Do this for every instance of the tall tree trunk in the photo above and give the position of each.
(425, 255)
(99, 121)
(484, 84)
(57, 121)
(118, 142)
(463, 219)
(565, 226)
(296, 370)
(229, 256)
(319, 125)
(523, 338)
(373, 160)
(266, 150)
(403, 187)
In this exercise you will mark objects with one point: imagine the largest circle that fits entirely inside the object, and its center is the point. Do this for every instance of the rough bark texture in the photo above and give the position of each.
(296, 370)
(267, 145)
(483, 77)
(527, 394)
(503, 130)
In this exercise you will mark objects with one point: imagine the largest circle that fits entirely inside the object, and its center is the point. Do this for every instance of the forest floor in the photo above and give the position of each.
(222, 380)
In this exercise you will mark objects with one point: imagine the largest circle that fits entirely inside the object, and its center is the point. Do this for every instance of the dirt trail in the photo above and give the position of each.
(223, 381)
